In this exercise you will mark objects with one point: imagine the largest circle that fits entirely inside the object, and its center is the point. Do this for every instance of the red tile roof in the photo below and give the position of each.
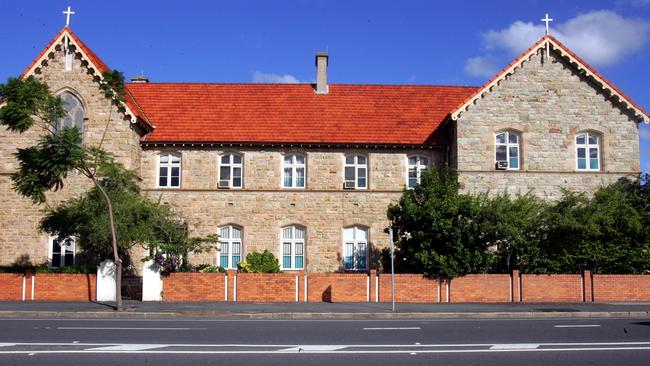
(293, 113)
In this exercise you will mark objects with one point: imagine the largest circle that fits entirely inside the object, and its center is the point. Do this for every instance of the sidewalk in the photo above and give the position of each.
(141, 310)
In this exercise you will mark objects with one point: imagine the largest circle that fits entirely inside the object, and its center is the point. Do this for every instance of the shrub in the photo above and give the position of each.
(256, 262)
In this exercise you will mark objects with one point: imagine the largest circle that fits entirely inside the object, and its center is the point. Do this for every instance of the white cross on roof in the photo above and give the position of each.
(547, 20)
(68, 13)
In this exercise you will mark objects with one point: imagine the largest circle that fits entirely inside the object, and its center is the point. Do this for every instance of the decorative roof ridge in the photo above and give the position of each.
(574, 59)
(298, 84)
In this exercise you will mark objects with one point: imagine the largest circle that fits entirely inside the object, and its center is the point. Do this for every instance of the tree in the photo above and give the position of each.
(608, 233)
(138, 220)
(510, 226)
(438, 229)
(59, 151)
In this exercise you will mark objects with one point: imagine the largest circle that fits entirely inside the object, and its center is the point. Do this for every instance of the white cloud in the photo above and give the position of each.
(601, 37)
(481, 66)
(270, 78)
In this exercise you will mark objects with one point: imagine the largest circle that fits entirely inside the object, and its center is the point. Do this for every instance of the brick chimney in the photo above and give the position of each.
(321, 73)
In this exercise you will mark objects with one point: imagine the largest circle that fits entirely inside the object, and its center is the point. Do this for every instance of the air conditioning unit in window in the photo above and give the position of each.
(501, 165)
(223, 184)
(349, 184)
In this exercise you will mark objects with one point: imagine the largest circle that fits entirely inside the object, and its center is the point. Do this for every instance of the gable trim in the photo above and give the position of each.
(97, 66)
(613, 92)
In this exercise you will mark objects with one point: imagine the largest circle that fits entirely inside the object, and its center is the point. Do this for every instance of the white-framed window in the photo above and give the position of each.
(507, 150)
(356, 172)
(231, 169)
(169, 171)
(230, 246)
(588, 151)
(294, 171)
(74, 112)
(61, 251)
(69, 56)
(293, 247)
(355, 248)
(416, 165)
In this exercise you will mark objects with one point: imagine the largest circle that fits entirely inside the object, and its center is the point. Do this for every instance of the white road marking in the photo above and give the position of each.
(577, 326)
(123, 328)
(515, 346)
(125, 347)
(394, 328)
(581, 349)
(311, 348)
(7, 344)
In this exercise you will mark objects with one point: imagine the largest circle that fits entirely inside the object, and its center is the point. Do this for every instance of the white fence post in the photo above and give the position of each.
(152, 284)
(106, 281)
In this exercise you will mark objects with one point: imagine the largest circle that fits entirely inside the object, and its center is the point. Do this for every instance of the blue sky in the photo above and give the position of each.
(392, 42)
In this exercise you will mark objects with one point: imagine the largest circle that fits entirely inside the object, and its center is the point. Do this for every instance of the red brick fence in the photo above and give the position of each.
(344, 287)
(375, 287)
(48, 287)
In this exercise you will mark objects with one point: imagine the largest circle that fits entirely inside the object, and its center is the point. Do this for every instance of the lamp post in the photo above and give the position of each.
(392, 266)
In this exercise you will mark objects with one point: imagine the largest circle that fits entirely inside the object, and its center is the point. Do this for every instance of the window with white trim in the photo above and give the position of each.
(293, 247)
(416, 165)
(69, 56)
(588, 151)
(356, 172)
(230, 246)
(61, 251)
(355, 248)
(293, 171)
(507, 150)
(230, 171)
(169, 171)
(74, 113)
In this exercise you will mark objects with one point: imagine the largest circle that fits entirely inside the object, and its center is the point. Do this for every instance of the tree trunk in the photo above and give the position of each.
(116, 255)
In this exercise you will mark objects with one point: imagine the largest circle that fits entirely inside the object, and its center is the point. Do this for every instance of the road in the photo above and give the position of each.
(316, 342)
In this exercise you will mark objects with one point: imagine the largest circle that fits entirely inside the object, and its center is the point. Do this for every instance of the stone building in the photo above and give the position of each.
(307, 171)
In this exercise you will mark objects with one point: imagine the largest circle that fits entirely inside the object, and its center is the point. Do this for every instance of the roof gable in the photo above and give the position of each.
(98, 67)
(614, 92)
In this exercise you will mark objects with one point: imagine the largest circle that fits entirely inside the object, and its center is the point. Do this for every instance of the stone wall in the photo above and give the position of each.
(262, 207)
(548, 103)
(20, 237)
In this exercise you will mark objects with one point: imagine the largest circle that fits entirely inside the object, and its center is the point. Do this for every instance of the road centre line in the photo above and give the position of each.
(394, 328)
(577, 326)
(124, 328)
(278, 352)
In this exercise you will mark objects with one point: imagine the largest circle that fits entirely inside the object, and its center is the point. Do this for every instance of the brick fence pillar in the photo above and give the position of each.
(373, 285)
(587, 287)
(232, 285)
(515, 281)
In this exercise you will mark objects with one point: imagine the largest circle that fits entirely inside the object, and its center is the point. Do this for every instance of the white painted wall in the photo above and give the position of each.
(106, 281)
(152, 285)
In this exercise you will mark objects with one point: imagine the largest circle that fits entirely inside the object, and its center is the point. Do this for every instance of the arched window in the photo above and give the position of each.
(230, 246)
(230, 171)
(61, 251)
(293, 171)
(169, 171)
(74, 113)
(416, 164)
(355, 248)
(507, 150)
(293, 247)
(356, 172)
(588, 151)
